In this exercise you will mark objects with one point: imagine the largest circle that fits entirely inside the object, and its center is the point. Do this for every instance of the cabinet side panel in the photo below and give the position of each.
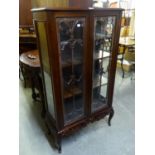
(41, 27)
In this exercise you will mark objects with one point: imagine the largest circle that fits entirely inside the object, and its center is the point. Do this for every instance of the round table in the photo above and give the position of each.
(30, 68)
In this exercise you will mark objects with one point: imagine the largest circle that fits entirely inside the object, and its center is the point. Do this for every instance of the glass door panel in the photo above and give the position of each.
(71, 43)
(103, 33)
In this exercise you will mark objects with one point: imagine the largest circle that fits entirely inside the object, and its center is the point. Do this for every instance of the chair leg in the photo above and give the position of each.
(110, 117)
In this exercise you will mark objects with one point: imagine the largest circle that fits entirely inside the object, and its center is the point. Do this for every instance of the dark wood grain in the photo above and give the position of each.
(25, 14)
(30, 58)
(58, 126)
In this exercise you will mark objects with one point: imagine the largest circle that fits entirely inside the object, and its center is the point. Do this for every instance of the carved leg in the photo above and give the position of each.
(110, 117)
(58, 141)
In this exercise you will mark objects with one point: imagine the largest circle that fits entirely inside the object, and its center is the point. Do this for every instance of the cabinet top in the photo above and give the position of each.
(75, 9)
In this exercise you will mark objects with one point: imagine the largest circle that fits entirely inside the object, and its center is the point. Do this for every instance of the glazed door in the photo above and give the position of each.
(103, 30)
(71, 33)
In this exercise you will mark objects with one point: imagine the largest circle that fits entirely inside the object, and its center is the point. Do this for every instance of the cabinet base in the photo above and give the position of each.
(67, 130)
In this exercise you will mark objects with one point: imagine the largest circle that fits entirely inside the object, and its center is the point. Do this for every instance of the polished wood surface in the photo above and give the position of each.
(46, 22)
(25, 14)
(30, 58)
(74, 9)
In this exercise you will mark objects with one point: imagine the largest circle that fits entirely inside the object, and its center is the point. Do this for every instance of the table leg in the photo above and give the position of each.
(123, 72)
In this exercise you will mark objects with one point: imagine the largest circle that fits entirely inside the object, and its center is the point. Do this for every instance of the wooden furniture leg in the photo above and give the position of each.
(110, 116)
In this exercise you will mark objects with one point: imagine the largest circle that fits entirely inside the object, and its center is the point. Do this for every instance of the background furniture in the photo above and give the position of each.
(126, 45)
(62, 3)
(127, 42)
(78, 53)
(27, 37)
(27, 42)
(25, 14)
(30, 68)
(49, 3)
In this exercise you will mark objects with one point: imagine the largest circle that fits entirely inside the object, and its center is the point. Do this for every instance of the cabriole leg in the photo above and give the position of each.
(110, 117)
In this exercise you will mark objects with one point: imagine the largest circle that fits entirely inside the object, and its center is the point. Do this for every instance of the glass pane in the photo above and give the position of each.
(49, 94)
(70, 34)
(103, 30)
(46, 67)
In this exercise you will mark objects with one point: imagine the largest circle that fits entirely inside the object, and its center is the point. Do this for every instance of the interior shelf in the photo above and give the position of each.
(103, 36)
(69, 63)
(73, 108)
(73, 115)
(73, 40)
(71, 92)
(76, 90)
(99, 55)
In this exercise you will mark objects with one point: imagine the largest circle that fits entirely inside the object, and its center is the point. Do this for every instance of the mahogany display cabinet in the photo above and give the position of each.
(78, 54)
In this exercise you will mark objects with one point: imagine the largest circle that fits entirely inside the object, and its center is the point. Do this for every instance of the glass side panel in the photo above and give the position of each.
(46, 67)
(71, 43)
(103, 33)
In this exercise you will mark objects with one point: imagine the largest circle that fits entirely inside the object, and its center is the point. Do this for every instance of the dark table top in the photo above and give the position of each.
(30, 58)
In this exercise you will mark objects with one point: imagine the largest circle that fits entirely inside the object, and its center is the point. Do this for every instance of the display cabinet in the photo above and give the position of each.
(78, 53)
